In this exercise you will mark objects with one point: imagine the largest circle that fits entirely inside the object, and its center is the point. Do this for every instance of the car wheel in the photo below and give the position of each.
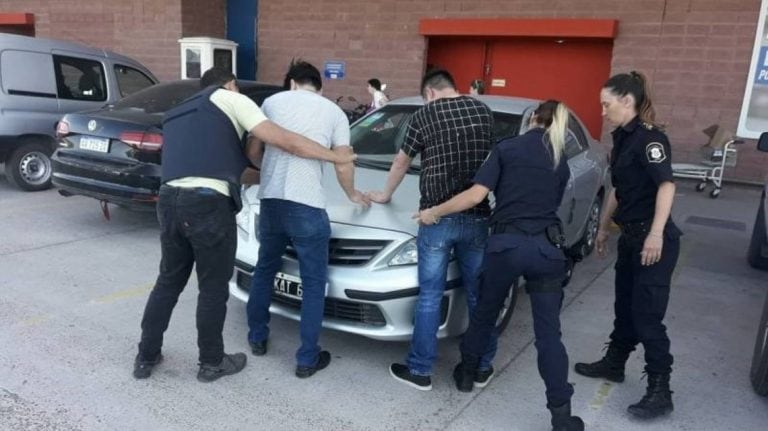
(759, 372)
(29, 167)
(505, 315)
(759, 242)
(587, 241)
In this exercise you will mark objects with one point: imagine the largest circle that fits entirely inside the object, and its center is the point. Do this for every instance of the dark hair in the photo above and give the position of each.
(636, 84)
(303, 73)
(438, 79)
(553, 115)
(478, 85)
(375, 83)
(216, 75)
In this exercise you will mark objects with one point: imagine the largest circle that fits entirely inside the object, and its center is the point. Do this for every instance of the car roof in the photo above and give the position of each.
(44, 44)
(242, 83)
(508, 104)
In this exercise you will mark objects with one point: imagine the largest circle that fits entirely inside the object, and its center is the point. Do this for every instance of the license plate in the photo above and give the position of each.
(288, 285)
(94, 144)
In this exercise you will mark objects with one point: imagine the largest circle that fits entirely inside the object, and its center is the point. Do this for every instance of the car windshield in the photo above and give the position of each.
(378, 137)
(159, 98)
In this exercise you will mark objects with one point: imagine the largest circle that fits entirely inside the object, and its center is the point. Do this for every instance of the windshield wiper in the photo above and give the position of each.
(373, 164)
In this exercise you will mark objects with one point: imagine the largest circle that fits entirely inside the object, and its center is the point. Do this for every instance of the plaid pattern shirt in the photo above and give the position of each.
(454, 137)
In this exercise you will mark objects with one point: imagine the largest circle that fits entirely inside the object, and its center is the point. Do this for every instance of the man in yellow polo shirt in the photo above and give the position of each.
(203, 159)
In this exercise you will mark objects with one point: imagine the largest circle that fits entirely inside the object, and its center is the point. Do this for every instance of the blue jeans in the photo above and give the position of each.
(309, 231)
(466, 236)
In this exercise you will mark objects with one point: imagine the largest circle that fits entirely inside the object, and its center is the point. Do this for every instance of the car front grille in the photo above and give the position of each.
(348, 251)
(367, 314)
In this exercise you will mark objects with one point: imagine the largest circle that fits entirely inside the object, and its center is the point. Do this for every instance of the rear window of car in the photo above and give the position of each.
(159, 98)
(162, 97)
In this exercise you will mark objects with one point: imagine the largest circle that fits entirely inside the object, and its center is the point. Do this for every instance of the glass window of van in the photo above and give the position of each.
(130, 80)
(27, 74)
(80, 79)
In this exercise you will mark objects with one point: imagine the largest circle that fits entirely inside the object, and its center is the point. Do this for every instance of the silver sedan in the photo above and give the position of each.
(372, 276)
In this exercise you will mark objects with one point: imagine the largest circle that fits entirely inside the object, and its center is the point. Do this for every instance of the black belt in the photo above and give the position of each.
(638, 228)
(509, 228)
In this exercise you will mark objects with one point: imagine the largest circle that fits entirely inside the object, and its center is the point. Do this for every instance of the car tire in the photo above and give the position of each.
(758, 241)
(586, 244)
(505, 315)
(759, 371)
(29, 166)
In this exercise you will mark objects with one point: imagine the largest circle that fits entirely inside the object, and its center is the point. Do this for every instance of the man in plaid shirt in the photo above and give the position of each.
(453, 134)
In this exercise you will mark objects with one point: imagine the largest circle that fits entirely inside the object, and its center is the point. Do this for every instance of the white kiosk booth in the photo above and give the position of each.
(199, 54)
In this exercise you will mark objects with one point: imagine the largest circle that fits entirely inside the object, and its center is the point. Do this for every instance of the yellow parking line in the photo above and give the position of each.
(124, 294)
(36, 320)
(601, 396)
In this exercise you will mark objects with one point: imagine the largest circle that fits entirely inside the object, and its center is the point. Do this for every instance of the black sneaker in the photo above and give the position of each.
(401, 373)
(230, 364)
(323, 359)
(143, 369)
(258, 349)
(483, 377)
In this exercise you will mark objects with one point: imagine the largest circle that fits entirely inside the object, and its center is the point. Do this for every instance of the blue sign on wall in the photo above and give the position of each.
(335, 69)
(761, 74)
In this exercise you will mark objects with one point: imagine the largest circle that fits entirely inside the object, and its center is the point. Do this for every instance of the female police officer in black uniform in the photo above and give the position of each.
(649, 244)
(528, 175)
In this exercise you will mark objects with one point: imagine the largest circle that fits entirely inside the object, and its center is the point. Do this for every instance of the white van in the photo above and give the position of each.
(40, 81)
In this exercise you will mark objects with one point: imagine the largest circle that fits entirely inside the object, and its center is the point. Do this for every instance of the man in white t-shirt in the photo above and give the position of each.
(203, 158)
(293, 211)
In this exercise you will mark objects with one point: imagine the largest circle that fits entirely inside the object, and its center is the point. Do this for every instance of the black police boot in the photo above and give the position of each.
(657, 400)
(610, 367)
(562, 419)
(464, 377)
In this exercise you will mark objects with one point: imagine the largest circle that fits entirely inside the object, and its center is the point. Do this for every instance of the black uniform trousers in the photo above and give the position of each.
(642, 295)
(197, 227)
(507, 257)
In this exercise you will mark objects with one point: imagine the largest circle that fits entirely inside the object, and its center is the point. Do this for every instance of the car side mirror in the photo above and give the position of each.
(762, 144)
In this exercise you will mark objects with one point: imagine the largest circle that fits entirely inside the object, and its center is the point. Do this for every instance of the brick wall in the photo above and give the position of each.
(695, 52)
(203, 18)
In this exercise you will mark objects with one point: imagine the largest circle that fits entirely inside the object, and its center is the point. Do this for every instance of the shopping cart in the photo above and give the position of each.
(717, 154)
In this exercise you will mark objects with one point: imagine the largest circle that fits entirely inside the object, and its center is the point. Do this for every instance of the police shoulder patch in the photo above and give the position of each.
(654, 152)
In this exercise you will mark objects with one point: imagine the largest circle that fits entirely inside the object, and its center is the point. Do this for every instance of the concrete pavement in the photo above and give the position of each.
(73, 287)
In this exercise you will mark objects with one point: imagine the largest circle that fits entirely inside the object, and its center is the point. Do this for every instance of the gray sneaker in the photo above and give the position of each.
(230, 364)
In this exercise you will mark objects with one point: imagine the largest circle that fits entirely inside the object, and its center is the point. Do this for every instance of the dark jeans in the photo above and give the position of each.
(642, 295)
(197, 227)
(309, 230)
(507, 257)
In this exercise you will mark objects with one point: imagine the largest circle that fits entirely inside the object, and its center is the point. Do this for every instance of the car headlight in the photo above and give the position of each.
(407, 255)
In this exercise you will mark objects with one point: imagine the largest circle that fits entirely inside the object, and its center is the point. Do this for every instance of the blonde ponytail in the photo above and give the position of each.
(556, 132)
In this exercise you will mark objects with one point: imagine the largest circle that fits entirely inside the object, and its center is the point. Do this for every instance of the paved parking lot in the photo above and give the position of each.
(73, 287)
